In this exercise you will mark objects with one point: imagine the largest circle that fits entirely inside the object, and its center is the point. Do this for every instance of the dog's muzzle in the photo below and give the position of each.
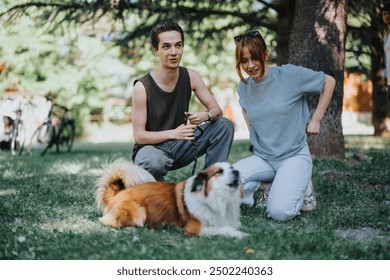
(236, 179)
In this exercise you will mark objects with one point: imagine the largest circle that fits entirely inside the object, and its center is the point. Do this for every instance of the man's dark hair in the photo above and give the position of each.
(386, 7)
(161, 27)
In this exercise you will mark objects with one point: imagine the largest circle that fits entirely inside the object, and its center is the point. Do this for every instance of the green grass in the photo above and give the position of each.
(47, 211)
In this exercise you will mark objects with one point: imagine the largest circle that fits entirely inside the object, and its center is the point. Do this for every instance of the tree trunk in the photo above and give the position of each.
(283, 30)
(317, 42)
(379, 103)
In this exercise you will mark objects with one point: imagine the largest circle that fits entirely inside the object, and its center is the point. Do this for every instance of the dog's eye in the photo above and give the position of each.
(220, 171)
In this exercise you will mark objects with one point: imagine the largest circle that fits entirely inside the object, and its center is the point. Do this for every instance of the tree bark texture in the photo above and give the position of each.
(375, 39)
(379, 101)
(317, 42)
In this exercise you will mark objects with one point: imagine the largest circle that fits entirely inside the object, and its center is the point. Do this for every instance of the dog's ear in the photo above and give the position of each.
(119, 184)
(198, 182)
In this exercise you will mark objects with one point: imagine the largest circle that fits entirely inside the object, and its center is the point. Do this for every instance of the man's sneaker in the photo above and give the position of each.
(262, 200)
(309, 201)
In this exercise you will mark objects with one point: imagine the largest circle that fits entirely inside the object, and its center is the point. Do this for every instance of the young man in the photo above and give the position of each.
(164, 140)
(386, 48)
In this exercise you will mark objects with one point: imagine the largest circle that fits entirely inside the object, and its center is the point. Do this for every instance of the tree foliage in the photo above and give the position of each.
(209, 23)
(209, 27)
(70, 66)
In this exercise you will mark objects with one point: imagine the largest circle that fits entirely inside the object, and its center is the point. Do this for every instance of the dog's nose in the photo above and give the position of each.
(235, 172)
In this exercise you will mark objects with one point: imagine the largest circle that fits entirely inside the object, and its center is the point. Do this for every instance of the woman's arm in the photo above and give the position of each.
(313, 127)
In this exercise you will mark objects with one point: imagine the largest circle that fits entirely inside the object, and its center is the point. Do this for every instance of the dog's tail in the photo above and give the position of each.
(117, 176)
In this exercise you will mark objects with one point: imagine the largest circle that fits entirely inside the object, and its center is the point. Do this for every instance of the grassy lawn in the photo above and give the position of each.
(48, 211)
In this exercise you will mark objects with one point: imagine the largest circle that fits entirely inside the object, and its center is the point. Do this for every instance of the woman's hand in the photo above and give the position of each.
(313, 127)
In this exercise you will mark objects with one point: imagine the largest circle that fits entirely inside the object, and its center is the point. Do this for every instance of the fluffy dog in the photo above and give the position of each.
(207, 203)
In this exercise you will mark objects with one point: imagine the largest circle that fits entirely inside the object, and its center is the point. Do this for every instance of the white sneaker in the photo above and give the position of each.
(262, 200)
(309, 201)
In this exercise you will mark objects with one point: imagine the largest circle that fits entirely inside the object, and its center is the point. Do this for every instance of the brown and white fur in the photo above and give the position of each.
(207, 203)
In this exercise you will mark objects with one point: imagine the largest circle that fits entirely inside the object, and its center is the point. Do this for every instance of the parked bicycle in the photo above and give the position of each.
(18, 135)
(14, 130)
(57, 130)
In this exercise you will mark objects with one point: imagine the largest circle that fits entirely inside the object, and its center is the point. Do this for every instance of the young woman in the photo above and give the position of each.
(274, 106)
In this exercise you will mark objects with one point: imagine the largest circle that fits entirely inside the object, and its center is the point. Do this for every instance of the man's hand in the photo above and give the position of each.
(196, 118)
(184, 132)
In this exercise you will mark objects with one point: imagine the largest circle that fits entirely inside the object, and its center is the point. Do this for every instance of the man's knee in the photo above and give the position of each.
(226, 124)
(223, 128)
(154, 161)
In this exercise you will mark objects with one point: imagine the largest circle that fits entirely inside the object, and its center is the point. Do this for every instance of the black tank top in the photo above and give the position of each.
(165, 110)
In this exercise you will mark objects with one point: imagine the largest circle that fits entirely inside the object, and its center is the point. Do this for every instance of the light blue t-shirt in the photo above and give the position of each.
(277, 109)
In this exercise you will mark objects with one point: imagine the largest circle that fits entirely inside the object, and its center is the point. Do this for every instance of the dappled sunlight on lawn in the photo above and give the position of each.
(13, 174)
(95, 171)
(7, 192)
(68, 168)
(8, 174)
(364, 142)
(74, 168)
(74, 224)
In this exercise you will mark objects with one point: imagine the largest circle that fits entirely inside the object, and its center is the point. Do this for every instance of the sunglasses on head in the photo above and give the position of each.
(251, 34)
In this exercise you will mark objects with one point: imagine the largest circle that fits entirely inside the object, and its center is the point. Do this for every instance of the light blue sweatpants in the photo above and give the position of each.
(290, 178)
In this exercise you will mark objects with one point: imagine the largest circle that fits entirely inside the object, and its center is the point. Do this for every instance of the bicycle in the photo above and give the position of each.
(58, 131)
(14, 129)
(18, 134)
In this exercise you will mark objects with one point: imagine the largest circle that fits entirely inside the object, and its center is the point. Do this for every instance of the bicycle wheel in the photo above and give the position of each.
(18, 139)
(42, 138)
(65, 138)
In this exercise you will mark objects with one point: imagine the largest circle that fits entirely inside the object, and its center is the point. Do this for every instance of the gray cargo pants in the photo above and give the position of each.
(213, 139)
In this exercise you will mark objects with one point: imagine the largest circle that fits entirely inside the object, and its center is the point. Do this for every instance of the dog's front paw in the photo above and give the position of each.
(108, 220)
(240, 234)
(224, 231)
